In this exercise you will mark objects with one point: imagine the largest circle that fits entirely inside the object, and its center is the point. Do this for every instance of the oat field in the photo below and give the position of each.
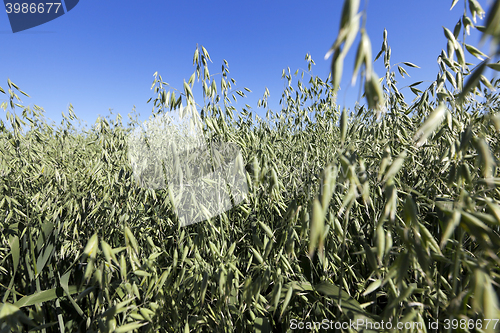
(388, 212)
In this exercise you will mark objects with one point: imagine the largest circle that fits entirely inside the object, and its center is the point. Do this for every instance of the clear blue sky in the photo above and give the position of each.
(102, 54)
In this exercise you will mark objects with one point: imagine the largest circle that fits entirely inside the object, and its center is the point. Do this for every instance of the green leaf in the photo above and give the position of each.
(205, 53)
(380, 242)
(336, 69)
(487, 83)
(15, 252)
(60, 318)
(348, 303)
(415, 84)
(490, 303)
(262, 325)
(331, 290)
(44, 296)
(317, 225)
(476, 9)
(141, 273)
(187, 90)
(493, 22)
(343, 125)
(360, 57)
(402, 71)
(288, 297)
(411, 65)
(458, 26)
(42, 259)
(132, 326)
(268, 230)
(196, 56)
(395, 166)
(475, 52)
(495, 66)
(204, 285)
(481, 28)
(130, 240)
(90, 250)
(485, 156)
(367, 53)
(64, 284)
(451, 79)
(410, 211)
(352, 32)
(372, 287)
(460, 55)
(472, 81)
(449, 35)
(191, 79)
(118, 308)
(12, 314)
(349, 10)
(373, 92)
(494, 209)
(108, 252)
(429, 238)
(257, 255)
(430, 124)
(450, 228)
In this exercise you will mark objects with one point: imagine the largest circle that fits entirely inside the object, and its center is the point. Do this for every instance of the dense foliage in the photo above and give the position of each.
(390, 212)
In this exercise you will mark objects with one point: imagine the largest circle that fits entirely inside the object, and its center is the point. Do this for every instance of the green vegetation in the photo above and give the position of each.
(389, 212)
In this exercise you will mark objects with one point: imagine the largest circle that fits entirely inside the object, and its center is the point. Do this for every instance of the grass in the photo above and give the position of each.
(390, 211)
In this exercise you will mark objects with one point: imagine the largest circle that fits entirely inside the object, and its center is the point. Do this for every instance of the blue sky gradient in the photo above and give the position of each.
(102, 54)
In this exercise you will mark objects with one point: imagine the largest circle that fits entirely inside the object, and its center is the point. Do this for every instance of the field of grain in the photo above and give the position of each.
(387, 212)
